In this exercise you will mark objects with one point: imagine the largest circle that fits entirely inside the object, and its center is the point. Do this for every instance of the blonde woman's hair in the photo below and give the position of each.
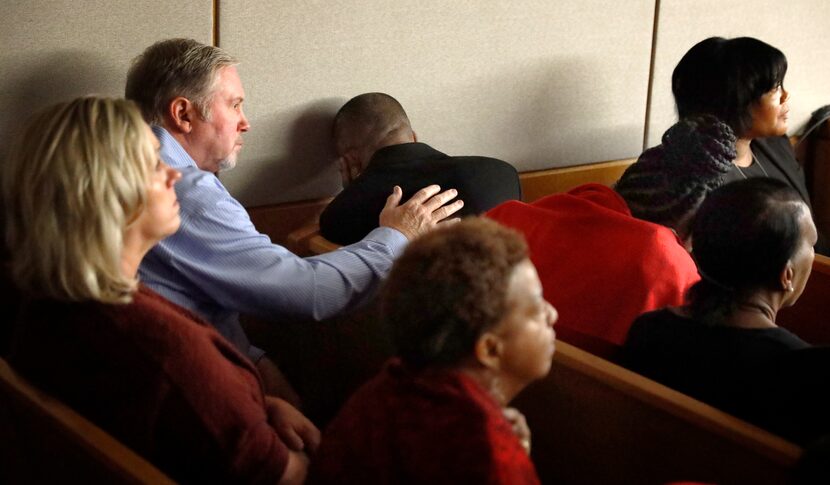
(74, 180)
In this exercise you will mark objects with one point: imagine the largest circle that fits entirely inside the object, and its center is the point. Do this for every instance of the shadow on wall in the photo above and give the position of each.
(306, 163)
(546, 113)
(542, 113)
(41, 82)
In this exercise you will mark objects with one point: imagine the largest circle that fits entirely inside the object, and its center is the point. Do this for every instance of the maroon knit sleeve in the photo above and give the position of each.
(213, 425)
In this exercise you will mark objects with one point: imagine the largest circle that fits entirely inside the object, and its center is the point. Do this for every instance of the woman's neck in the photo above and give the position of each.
(755, 312)
(744, 158)
(132, 253)
(499, 389)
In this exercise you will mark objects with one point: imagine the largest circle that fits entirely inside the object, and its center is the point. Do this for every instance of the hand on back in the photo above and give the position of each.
(421, 213)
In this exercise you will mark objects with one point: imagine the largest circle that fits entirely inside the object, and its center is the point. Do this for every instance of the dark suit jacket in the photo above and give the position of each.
(482, 184)
(777, 157)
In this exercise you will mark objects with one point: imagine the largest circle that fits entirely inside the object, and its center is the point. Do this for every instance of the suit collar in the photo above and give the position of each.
(404, 152)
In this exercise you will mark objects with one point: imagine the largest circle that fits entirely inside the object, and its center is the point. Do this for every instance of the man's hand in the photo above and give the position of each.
(296, 431)
(520, 428)
(421, 213)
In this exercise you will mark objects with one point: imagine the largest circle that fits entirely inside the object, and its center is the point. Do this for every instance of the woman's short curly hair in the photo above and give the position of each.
(74, 180)
(448, 288)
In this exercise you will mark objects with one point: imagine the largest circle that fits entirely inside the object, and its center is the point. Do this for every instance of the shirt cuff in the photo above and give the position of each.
(392, 238)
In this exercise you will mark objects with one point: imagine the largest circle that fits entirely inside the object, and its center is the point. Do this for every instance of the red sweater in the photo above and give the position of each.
(599, 266)
(421, 427)
(159, 380)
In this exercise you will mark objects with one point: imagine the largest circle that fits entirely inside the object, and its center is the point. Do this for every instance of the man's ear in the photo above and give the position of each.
(352, 166)
(180, 114)
(787, 276)
(488, 351)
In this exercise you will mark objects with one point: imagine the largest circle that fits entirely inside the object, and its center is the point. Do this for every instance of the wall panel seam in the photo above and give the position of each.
(215, 18)
(650, 91)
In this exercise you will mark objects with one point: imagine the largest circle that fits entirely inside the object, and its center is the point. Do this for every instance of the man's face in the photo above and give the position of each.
(215, 143)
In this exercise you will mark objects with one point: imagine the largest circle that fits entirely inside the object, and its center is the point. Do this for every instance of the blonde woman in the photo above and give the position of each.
(86, 197)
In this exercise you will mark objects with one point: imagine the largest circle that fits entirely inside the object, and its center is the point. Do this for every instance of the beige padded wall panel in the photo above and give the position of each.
(800, 28)
(537, 83)
(55, 50)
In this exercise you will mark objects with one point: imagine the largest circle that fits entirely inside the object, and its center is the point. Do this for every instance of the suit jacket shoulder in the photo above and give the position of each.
(777, 150)
(482, 183)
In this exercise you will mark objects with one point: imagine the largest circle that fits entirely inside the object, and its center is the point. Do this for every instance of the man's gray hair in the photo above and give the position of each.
(172, 68)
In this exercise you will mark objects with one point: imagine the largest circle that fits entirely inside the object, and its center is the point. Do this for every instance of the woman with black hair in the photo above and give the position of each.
(753, 243)
(741, 81)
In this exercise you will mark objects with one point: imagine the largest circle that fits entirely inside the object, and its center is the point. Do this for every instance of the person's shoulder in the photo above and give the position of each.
(787, 339)
(660, 246)
(652, 332)
(157, 324)
(513, 212)
(660, 319)
(195, 179)
(198, 190)
(777, 148)
(773, 141)
(477, 163)
(655, 315)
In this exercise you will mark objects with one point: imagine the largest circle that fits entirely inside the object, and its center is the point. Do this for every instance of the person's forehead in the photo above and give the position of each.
(229, 82)
(808, 227)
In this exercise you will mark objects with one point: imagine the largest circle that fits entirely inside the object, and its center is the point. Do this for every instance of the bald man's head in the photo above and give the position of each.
(367, 123)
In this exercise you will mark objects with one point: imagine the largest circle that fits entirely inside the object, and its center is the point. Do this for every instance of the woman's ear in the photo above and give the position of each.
(488, 351)
(787, 276)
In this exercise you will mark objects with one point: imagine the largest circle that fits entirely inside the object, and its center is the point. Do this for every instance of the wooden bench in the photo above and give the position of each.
(44, 441)
(594, 422)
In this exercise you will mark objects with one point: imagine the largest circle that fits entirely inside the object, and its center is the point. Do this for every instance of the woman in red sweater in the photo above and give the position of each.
(466, 313)
(85, 197)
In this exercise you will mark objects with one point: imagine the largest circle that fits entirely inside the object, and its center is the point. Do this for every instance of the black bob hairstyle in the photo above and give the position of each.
(742, 237)
(724, 77)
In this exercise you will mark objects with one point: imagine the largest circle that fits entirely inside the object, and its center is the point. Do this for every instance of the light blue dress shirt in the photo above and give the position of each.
(218, 265)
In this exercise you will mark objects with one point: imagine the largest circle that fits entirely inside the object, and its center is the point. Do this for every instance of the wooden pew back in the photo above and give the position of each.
(279, 220)
(540, 183)
(44, 441)
(595, 422)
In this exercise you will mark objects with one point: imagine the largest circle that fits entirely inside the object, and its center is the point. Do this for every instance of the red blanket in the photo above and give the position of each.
(600, 267)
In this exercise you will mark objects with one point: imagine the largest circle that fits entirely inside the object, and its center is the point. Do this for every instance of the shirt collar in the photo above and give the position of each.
(172, 152)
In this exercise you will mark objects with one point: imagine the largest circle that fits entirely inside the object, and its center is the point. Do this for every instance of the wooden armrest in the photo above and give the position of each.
(317, 244)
